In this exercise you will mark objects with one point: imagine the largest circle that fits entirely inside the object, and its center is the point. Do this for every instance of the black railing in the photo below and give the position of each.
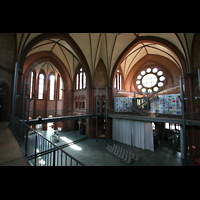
(39, 150)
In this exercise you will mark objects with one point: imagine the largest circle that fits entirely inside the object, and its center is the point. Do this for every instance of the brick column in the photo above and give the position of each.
(90, 128)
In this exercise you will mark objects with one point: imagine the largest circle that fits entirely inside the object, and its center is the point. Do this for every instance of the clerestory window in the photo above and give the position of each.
(41, 86)
(31, 87)
(80, 79)
(118, 81)
(60, 88)
(52, 86)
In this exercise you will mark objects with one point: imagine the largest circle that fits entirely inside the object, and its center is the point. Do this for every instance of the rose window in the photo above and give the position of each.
(150, 80)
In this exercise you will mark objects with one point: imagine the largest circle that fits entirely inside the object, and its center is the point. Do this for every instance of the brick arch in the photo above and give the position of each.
(151, 39)
(75, 47)
(153, 60)
(46, 56)
(195, 57)
(100, 75)
(63, 36)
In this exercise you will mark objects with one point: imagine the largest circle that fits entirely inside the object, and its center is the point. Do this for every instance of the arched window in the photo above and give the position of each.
(60, 87)
(31, 87)
(41, 86)
(118, 81)
(80, 79)
(52, 86)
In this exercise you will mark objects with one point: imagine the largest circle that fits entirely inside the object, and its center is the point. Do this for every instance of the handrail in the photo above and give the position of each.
(41, 149)
(55, 145)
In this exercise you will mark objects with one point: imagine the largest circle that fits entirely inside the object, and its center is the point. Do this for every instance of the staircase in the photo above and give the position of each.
(139, 111)
(137, 108)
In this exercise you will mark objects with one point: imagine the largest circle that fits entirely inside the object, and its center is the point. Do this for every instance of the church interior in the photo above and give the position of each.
(102, 98)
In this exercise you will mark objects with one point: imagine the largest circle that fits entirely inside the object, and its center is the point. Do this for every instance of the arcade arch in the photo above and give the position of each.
(146, 52)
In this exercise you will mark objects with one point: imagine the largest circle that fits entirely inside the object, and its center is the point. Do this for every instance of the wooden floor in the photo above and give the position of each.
(10, 151)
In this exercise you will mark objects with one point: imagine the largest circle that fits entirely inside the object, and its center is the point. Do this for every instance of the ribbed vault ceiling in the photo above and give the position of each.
(62, 50)
(142, 50)
(108, 47)
(47, 67)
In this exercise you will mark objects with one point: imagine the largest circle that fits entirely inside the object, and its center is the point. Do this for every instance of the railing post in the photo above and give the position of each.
(29, 100)
(147, 103)
(97, 99)
(14, 89)
(107, 114)
(183, 118)
(23, 98)
(135, 105)
(26, 141)
(199, 78)
(35, 148)
(54, 157)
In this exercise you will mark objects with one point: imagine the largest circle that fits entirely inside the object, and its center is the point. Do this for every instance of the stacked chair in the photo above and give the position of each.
(122, 153)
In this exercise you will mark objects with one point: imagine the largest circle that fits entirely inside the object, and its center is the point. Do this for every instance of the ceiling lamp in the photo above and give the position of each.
(116, 33)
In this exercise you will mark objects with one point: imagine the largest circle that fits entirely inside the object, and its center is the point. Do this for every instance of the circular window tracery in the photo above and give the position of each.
(151, 80)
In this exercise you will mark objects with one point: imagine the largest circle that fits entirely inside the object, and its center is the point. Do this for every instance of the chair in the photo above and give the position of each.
(137, 157)
(123, 153)
(116, 148)
(126, 156)
(133, 155)
(129, 157)
(113, 149)
(120, 152)
(108, 147)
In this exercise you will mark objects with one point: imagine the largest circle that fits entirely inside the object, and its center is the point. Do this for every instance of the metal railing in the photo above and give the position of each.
(39, 150)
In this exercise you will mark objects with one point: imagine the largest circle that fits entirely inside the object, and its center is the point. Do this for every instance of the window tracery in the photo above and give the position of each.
(51, 86)
(41, 86)
(150, 79)
(31, 87)
(60, 87)
(80, 79)
(118, 81)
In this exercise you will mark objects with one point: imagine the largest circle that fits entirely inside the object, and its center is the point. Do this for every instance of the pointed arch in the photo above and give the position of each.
(34, 59)
(100, 75)
(156, 40)
(63, 36)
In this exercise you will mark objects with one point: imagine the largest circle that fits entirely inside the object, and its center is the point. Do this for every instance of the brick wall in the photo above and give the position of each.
(7, 50)
(7, 65)
(191, 86)
(100, 76)
(196, 57)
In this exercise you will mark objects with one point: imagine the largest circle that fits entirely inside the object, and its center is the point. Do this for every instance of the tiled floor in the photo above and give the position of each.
(93, 153)
(10, 151)
(88, 151)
